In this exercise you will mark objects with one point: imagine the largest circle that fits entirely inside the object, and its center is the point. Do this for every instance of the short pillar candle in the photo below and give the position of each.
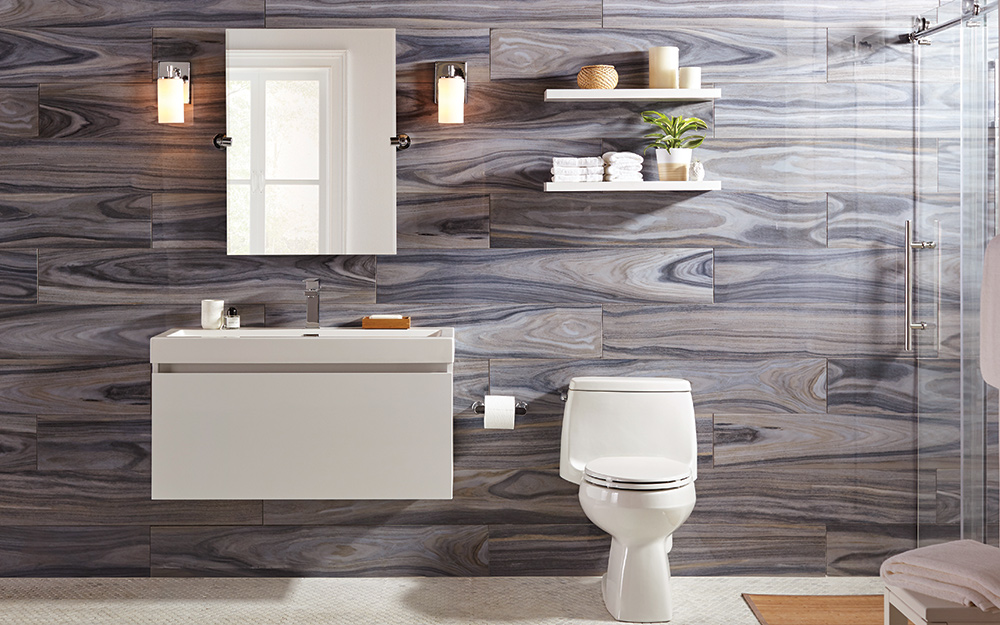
(663, 64)
(690, 78)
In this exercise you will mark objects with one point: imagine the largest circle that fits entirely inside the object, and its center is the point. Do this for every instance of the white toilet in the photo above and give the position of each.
(631, 445)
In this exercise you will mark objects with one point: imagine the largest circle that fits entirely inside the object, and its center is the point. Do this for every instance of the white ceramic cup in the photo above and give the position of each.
(211, 313)
(690, 78)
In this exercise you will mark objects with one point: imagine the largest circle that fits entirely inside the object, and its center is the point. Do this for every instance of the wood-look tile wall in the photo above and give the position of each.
(779, 297)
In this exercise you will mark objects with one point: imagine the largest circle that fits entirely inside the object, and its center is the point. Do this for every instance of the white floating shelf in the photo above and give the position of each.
(635, 95)
(653, 185)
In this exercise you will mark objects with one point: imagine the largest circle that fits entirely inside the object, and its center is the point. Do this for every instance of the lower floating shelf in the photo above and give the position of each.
(652, 185)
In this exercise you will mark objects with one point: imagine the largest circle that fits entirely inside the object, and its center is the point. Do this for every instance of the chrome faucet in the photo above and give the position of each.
(312, 302)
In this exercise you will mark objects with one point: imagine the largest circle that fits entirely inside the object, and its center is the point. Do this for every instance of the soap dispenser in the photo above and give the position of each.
(232, 319)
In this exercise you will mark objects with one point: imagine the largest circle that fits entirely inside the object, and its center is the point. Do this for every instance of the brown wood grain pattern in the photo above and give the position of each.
(103, 219)
(74, 551)
(103, 498)
(319, 551)
(547, 276)
(738, 548)
(136, 277)
(18, 277)
(538, 549)
(683, 219)
(431, 14)
(18, 447)
(446, 221)
(19, 111)
(816, 609)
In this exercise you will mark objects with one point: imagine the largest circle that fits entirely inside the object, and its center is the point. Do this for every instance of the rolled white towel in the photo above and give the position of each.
(628, 176)
(582, 178)
(586, 161)
(622, 167)
(576, 171)
(620, 157)
(962, 571)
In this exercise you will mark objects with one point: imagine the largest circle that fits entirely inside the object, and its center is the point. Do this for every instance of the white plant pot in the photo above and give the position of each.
(673, 165)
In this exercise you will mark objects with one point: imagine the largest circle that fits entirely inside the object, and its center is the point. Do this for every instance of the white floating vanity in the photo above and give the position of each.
(320, 413)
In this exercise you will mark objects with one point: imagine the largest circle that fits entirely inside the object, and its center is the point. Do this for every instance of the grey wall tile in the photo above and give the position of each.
(108, 277)
(548, 550)
(860, 549)
(417, 49)
(34, 55)
(739, 549)
(18, 277)
(27, 551)
(19, 111)
(870, 386)
(189, 221)
(834, 276)
(18, 448)
(719, 219)
(751, 330)
(74, 387)
(229, 13)
(446, 221)
(103, 219)
(550, 276)
(319, 551)
(735, 386)
(725, 55)
(94, 443)
(870, 54)
(429, 14)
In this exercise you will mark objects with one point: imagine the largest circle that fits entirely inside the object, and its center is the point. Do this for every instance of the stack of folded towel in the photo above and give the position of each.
(587, 169)
(963, 571)
(622, 167)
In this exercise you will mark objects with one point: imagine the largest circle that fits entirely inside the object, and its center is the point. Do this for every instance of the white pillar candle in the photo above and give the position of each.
(663, 64)
(690, 78)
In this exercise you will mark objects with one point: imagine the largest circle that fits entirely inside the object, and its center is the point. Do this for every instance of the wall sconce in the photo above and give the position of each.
(173, 91)
(450, 91)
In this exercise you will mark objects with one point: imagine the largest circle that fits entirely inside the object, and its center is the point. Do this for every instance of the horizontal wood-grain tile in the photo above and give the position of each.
(74, 387)
(871, 54)
(94, 443)
(417, 49)
(120, 112)
(870, 220)
(895, 385)
(139, 13)
(100, 498)
(842, 276)
(187, 276)
(18, 277)
(492, 496)
(111, 54)
(546, 276)
(860, 549)
(736, 549)
(481, 331)
(189, 221)
(545, 550)
(447, 221)
(751, 330)
(18, 447)
(319, 551)
(780, 14)
(98, 331)
(29, 551)
(744, 54)
(19, 111)
(816, 441)
(728, 386)
(719, 219)
(102, 219)
(431, 14)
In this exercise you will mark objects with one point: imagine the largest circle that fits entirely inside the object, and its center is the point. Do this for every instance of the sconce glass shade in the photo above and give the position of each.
(170, 100)
(451, 100)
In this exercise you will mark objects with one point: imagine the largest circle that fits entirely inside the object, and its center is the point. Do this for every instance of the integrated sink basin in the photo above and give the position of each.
(317, 413)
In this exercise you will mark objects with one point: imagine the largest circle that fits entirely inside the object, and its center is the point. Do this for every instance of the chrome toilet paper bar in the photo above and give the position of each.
(520, 408)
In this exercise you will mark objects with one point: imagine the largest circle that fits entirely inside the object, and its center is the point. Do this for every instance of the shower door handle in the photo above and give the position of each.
(909, 248)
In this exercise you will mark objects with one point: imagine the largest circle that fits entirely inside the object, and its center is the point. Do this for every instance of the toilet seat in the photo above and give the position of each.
(637, 473)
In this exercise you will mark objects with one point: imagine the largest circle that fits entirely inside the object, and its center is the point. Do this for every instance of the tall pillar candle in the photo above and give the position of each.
(664, 62)
(690, 78)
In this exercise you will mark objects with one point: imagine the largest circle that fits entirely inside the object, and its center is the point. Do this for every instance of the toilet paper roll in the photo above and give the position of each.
(211, 313)
(499, 412)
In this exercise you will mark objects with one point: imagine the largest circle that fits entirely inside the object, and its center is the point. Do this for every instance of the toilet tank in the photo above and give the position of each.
(618, 416)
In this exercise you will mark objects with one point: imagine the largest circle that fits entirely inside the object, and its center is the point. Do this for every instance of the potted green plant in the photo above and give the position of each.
(673, 143)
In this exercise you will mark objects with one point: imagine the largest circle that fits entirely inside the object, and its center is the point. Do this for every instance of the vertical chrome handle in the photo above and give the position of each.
(908, 249)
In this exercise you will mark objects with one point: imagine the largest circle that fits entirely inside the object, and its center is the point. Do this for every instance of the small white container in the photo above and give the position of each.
(663, 64)
(673, 165)
(212, 313)
(690, 78)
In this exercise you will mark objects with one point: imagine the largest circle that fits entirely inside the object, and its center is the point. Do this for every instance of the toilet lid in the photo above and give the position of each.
(637, 473)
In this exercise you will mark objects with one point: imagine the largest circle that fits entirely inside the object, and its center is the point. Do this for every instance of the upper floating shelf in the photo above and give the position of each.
(633, 95)
(649, 185)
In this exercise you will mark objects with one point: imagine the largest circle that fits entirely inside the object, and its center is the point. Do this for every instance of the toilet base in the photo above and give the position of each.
(636, 587)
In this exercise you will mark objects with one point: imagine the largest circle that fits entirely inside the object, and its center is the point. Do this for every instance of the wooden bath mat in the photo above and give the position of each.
(816, 609)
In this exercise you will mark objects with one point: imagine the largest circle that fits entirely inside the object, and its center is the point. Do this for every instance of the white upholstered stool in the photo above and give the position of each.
(901, 605)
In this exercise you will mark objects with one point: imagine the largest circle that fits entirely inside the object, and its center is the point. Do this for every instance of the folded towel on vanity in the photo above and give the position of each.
(587, 161)
(962, 571)
(621, 157)
(628, 176)
(989, 315)
(576, 171)
(622, 167)
(581, 178)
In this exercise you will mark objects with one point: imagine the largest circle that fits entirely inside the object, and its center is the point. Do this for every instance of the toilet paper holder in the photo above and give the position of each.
(520, 408)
